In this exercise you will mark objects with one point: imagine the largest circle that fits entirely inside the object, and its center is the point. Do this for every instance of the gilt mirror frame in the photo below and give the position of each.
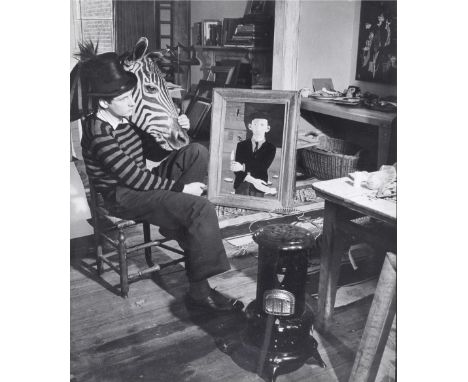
(220, 153)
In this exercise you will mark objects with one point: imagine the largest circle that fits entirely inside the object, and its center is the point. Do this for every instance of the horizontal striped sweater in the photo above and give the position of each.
(117, 157)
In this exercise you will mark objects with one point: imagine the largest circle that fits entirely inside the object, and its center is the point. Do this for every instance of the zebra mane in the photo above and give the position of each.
(87, 51)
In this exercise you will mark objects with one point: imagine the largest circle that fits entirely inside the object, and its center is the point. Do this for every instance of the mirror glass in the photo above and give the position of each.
(252, 149)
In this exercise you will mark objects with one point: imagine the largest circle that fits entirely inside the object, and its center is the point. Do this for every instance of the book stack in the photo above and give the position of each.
(229, 27)
(251, 35)
(214, 35)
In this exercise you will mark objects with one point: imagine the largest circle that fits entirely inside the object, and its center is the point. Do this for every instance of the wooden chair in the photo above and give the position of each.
(221, 75)
(237, 65)
(198, 113)
(104, 224)
(205, 89)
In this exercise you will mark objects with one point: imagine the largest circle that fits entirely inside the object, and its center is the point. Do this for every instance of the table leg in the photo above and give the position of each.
(383, 145)
(378, 325)
(330, 260)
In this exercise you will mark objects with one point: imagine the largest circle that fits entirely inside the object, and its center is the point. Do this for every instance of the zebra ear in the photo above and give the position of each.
(140, 48)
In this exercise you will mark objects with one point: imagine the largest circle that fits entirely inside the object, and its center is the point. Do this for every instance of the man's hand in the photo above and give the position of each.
(236, 166)
(263, 187)
(255, 181)
(195, 188)
(269, 190)
(260, 185)
(184, 122)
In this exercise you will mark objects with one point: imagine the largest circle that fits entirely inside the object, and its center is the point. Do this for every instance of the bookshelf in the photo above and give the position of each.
(235, 48)
(259, 59)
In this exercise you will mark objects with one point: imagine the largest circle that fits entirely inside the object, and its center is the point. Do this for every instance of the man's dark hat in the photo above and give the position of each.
(274, 113)
(107, 77)
(258, 114)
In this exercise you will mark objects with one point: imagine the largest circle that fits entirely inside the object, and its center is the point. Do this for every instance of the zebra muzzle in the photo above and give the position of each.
(178, 137)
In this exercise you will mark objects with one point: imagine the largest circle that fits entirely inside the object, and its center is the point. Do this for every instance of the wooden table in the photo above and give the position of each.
(381, 120)
(343, 202)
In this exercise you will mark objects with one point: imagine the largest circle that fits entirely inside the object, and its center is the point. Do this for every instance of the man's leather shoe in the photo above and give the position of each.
(215, 302)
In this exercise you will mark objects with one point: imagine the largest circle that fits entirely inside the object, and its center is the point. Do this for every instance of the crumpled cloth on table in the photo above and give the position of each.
(383, 181)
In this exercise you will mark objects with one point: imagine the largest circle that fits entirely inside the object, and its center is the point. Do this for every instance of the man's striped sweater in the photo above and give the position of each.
(117, 157)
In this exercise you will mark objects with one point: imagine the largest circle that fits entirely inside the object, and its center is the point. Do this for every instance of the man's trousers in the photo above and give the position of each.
(189, 219)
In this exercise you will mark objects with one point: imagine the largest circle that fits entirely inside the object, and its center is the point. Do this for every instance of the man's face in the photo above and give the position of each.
(259, 127)
(122, 105)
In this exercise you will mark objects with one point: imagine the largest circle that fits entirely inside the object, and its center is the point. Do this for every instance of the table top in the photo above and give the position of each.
(341, 191)
(354, 113)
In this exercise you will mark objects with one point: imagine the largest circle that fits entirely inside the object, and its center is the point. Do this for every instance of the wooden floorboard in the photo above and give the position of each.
(151, 336)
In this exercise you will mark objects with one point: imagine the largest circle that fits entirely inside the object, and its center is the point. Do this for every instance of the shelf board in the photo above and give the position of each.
(238, 48)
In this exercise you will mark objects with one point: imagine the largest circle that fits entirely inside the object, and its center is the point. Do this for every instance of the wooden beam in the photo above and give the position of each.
(286, 45)
(181, 34)
(181, 22)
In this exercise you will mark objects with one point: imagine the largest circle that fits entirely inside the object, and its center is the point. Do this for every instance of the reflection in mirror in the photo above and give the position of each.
(252, 149)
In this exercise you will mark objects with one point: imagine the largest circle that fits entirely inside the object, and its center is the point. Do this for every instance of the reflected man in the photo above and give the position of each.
(252, 159)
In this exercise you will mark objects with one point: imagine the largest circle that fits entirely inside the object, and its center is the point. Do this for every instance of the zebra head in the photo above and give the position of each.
(154, 110)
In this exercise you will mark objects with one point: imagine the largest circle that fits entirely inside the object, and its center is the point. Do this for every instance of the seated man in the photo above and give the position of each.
(252, 159)
(167, 196)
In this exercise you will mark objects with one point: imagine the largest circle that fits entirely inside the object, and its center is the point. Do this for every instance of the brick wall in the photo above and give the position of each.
(99, 30)
(96, 8)
(95, 21)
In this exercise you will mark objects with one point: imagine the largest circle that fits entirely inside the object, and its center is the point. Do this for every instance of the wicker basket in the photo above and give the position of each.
(335, 145)
(331, 158)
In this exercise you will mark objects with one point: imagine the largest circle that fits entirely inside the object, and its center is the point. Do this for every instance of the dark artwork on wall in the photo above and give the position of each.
(377, 45)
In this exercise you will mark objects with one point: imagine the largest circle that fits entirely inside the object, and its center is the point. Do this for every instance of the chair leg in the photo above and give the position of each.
(98, 246)
(99, 265)
(123, 265)
(97, 230)
(147, 238)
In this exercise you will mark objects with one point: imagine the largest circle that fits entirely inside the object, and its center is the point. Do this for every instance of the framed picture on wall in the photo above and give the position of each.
(377, 43)
(253, 148)
(211, 32)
